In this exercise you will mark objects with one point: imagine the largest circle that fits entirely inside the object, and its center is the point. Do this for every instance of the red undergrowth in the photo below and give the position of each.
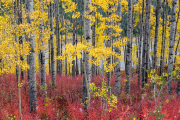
(65, 101)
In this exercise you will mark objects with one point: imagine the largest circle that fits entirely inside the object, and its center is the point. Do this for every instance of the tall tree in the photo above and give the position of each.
(73, 62)
(77, 68)
(32, 69)
(52, 44)
(117, 50)
(175, 33)
(42, 52)
(158, 13)
(108, 45)
(81, 19)
(86, 75)
(62, 23)
(65, 43)
(163, 36)
(20, 20)
(57, 34)
(140, 42)
(129, 46)
(145, 58)
(93, 44)
(171, 45)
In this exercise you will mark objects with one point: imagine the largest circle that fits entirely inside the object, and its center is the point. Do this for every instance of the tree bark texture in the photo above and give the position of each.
(52, 45)
(145, 58)
(86, 75)
(140, 42)
(171, 45)
(42, 53)
(117, 50)
(158, 13)
(57, 34)
(129, 46)
(32, 69)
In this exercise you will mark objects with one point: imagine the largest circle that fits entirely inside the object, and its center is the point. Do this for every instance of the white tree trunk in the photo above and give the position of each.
(57, 33)
(86, 77)
(52, 45)
(117, 67)
(145, 58)
(128, 51)
(140, 43)
(42, 53)
(158, 13)
(171, 45)
(32, 69)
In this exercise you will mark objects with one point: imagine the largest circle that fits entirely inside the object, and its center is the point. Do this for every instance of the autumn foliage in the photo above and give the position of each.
(64, 101)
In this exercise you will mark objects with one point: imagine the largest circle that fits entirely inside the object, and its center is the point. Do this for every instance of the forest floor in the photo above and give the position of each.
(65, 101)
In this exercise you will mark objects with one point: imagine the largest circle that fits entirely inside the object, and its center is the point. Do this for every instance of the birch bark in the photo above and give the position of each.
(171, 45)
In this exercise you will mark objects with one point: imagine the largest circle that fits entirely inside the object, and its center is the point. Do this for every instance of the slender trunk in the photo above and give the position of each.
(158, 13)
(176, 31)
(19, 6)
(108, 45)
(145, 58)
(97, 39)
(73, 62)
(128, 51)
(42, 52)
(164, 39)
(65, 43)
(52, 45)
(32, 69)
(171, 45)
(57, 34)
(49, 43)
(20, 37)
(19, 93)
(93, 45)
(61, 43)
(39, 61)
(86, 75)
(15, 22)
(77, 68)
(117, 50)
(81, 12)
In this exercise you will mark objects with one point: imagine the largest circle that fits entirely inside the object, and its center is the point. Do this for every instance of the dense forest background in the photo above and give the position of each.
(89, 59)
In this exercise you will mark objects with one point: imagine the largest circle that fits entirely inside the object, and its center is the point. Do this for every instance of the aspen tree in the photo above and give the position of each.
(57, 34)
(52, 44)
(86, 75)
(81, 19)
(32, 70)
(73, 62)
(117, 50)
(20, 20)
(158, 13)
(175, 33)
(108, 45)
(42, 53)
(77, 68)
(140, 43)
(145, 58)
(171, 45)
(49, 43)
(93, 45)
(163, 36)
(128, 50)
(65, 43)
(62, 25)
